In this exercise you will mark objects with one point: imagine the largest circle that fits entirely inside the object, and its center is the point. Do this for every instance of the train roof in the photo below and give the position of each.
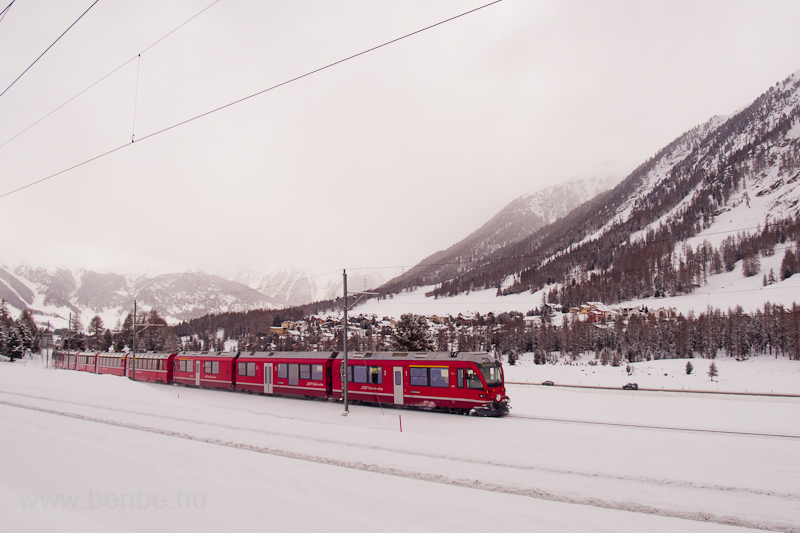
(290, 355)
(152, 355)
(477, 357)
(207, 355)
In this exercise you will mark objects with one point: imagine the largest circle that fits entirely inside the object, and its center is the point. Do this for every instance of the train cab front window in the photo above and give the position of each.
(492, 373)
(473, 380)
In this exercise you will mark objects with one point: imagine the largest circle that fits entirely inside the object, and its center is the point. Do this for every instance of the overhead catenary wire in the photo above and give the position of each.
(5, 10)
(244, 99)
(103, 78)
(48, 48)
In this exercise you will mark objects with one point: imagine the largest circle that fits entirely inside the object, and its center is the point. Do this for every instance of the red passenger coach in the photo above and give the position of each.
(286, 373)
(111, 363)
(86, 362)
(453, 381)
(204, 369)
(154, 367)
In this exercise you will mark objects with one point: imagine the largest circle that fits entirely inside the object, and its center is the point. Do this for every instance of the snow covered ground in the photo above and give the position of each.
(762, 374)
(85, 452)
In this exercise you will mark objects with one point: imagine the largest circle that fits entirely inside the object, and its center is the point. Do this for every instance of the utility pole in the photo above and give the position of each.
(133, 344)
(344, 374)
(344, 346)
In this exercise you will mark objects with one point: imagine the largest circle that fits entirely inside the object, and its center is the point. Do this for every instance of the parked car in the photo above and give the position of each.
(548, 382)
(631, 386)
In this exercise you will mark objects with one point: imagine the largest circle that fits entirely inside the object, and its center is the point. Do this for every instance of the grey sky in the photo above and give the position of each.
(377, 162)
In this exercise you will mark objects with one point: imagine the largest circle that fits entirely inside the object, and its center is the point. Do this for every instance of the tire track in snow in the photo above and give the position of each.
(435, 478)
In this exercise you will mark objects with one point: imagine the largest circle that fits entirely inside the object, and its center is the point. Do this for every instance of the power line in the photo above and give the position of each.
(48, 48)
(259, 93)
(113, 71)
(5, 10)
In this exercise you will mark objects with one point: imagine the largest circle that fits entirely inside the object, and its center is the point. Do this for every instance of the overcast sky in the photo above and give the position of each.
(376, 162)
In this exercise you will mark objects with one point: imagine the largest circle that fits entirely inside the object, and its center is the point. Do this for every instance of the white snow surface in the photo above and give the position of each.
(86, 452)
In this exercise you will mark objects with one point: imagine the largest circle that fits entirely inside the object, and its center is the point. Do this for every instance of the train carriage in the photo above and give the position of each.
(204, 369)
(112, 363)
(464, 382)
(457, 381)
(86, 362)
(153, 367)
(285, 373)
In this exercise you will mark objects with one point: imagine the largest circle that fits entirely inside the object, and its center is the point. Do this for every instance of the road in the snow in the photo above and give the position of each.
(726, 462)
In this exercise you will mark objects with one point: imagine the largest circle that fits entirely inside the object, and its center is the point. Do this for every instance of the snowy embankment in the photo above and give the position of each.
(762, 374)
(88, 452)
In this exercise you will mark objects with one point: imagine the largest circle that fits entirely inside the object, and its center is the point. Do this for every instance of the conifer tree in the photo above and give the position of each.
(411, 334)
(712, 371)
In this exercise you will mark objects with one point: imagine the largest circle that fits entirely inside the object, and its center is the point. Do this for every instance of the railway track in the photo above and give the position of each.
(645, 426)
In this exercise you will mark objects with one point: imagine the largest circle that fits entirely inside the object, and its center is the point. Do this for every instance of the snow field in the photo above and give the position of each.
(297, 465)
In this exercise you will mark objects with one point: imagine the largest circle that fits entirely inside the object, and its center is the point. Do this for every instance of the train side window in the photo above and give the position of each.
(207, 367)
(283, 371)
(439, 377)
(247, 369)
(419, 377)
(473, 380)
(294, 373)
(190, 366)
(349, 374)
(460, 378)
(305, 371)
(215, 367)
(316, 372)
(375, 375)
(360, 373)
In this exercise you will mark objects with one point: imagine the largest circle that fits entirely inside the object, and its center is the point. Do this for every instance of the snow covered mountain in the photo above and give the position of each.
(519, 219)
(53, 293)
(295, 286)
(723, 191)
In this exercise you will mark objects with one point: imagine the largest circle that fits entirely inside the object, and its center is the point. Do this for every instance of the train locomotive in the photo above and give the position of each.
(457, 382)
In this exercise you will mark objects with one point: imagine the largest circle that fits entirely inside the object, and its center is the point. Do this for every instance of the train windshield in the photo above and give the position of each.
(492, 374)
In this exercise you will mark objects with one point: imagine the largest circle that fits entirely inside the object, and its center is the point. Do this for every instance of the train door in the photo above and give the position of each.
(268, 378)
(197, 373)
(398, 385)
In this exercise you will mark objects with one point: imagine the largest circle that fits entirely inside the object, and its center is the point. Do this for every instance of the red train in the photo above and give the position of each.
(463, 382)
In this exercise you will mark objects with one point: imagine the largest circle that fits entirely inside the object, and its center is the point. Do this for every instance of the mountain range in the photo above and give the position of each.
(729, 187)
(108, 288)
